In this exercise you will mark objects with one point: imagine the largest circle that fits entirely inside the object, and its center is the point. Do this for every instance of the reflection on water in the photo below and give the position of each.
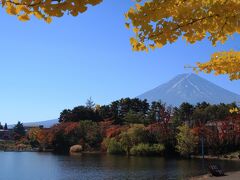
(46, 166)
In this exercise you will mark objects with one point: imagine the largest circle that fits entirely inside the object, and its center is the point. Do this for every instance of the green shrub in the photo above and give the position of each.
(114, 147)
(138, 134)
(158, 148)
(186, 141)
(133, 117)
(91, 133)
(147, 149)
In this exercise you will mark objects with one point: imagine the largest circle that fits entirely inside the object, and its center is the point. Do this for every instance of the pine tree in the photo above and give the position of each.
(5, 127)
(90, 104)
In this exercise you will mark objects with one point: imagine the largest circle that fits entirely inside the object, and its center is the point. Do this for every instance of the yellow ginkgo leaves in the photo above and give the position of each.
(234, 110)
(159, 22)
(23, 17)
(156, 23)
(223, 63)
(46, 9)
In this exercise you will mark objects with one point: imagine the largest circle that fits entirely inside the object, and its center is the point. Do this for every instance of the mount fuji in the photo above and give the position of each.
(189, 88)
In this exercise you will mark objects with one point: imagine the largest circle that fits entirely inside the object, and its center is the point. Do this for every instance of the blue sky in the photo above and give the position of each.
(47, 68)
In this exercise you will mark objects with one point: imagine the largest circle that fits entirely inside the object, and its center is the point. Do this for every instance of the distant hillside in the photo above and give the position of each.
(46, 124)
(192, 89)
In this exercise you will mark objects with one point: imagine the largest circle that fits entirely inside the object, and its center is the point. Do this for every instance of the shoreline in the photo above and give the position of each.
(209, 157)
(206, 157)
(234, 175)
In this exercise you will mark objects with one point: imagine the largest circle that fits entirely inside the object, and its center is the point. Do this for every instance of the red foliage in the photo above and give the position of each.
(115, 130)
(62, 128)
(220, 133)
(161, 129)
(104, 125)
(70, 127)
(227, 129)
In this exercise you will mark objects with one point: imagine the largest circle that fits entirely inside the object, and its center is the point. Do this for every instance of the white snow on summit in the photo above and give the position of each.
(190, 88)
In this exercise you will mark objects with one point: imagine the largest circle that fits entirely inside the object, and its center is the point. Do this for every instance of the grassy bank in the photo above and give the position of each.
(14, 146)
(230, 156)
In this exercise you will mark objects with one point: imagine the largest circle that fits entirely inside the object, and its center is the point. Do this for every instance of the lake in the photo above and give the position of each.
(47, 166)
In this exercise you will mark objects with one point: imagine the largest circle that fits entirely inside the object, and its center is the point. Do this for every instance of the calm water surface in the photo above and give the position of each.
(47, 166)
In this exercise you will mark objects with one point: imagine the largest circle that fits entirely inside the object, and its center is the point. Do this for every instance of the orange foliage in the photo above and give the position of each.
(160, 128)
(104, 125)
(115, 130)
(42, 137)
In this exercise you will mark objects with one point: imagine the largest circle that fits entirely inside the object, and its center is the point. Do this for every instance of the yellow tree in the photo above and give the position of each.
(158, 22)
(46, 9)
(186, 141)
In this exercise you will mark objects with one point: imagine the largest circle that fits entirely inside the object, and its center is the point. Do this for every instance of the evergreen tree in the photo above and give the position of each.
(19, 129)
(5, 127)
(90, 104)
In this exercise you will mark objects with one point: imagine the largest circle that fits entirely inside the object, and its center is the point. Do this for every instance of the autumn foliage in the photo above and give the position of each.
(160, 130)
(157, 23)
(46, 9)
(223, 63)
(221, 136)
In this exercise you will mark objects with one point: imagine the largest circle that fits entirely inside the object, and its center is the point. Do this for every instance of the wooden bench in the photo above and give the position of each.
(215, 170)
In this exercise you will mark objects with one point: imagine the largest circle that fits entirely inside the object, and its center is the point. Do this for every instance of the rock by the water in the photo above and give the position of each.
(76, 149)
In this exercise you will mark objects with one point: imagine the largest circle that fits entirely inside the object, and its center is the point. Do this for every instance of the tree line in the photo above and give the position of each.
(5, 127)
(127, 110)
(136, 127)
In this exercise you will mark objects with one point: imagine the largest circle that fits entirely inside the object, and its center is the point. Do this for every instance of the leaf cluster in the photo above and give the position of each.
(46, 9)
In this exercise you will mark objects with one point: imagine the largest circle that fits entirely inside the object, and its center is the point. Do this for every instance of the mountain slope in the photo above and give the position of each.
(190, 88)
(45, 124)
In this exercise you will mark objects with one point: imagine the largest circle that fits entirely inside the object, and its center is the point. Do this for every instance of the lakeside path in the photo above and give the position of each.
(229, 176)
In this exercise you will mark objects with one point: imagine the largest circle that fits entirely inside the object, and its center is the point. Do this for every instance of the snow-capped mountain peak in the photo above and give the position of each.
(190, 88)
